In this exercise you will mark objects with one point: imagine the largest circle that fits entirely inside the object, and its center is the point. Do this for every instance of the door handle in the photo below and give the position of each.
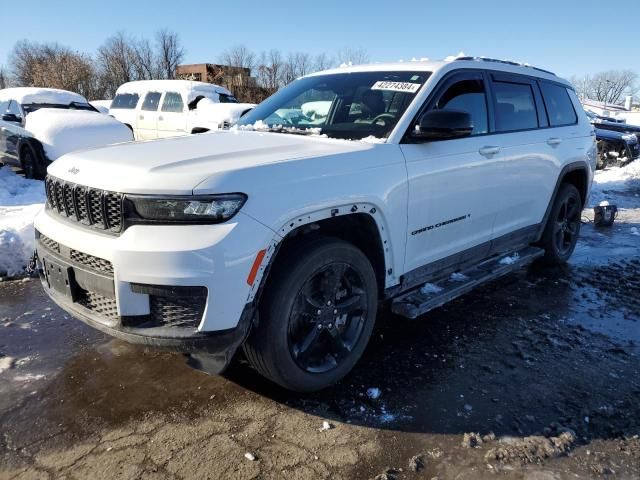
(160, 118)
(489, 150)
(141, 117)
(554, 141)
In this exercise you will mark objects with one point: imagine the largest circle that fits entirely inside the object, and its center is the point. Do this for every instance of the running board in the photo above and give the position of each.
(432, 295)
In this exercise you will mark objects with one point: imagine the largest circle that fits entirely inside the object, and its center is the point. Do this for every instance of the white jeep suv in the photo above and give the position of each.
(283, 234)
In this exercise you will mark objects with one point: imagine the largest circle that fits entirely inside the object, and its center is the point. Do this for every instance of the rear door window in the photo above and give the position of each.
(559, 106)
(125, 101)
(515, 106)
(151, 101)
(172, 102)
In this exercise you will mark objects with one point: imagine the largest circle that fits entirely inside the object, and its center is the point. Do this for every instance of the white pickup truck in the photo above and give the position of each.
(285, 233)
(168, 108)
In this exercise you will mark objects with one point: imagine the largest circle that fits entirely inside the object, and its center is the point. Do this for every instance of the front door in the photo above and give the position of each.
(147, 121)
(452, 183)
(172, 119)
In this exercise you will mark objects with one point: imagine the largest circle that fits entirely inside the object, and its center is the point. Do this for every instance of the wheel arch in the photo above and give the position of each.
(361, 224)
(36, 146)
(577, 174)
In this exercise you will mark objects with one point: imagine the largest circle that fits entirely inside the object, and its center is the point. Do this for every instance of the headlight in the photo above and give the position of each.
(184, 209)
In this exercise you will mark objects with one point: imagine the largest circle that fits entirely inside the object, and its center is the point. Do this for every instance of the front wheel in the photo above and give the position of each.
(318, 312)
(563, 226)
(31, 165)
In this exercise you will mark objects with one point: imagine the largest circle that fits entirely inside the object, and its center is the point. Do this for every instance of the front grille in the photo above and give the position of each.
(98, 304)
(94, 263)
(49, 244)
(93, 207)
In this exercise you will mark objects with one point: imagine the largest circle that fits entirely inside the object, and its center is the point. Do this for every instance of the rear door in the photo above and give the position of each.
(147, 122)
(172, 119)
(530, 163)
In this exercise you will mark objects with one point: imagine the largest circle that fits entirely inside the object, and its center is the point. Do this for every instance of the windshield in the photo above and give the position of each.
(345, 105)
(32, 107)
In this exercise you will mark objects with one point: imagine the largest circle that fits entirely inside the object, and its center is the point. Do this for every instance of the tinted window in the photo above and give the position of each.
(125, 100)
(559, 106)
(4, 105)
(515, 107)
(151, 101)
(172, 102)
(224, 98)
(469, 96)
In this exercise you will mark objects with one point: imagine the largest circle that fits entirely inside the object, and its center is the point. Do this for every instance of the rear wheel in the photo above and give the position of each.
(317, 316)
(563, 226)
(30, 164)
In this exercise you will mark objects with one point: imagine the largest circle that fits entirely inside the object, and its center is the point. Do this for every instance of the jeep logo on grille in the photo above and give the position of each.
(74, 170)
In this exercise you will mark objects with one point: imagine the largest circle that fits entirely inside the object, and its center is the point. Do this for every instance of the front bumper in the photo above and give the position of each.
(181, 287)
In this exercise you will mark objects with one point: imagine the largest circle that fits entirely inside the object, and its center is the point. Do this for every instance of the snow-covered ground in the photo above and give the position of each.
(20, 201)
(610, 184)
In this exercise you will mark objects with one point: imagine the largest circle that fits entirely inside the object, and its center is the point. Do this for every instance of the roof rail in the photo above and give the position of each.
(506, 62)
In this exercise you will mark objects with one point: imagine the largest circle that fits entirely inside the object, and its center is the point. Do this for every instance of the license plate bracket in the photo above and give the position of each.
(60, 278)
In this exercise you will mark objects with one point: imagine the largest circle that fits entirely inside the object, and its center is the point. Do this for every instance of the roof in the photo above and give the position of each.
(190, 89)
(459, 62)
(27, 95)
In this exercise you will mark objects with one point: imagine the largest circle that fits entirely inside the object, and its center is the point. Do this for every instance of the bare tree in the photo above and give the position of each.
(170, 52)
(115, 60)
(4, 80)
(610, 87)
(323, 62)
(53, 66)
(270, 70)
(144, 60)
(238, 56)
(352, 56)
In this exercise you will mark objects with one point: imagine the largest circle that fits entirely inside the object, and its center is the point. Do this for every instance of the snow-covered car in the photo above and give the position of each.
(101, 105)
(168, 108)
(284, 233)
(40, 124)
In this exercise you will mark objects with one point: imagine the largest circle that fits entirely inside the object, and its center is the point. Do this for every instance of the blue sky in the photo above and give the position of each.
(566, 36)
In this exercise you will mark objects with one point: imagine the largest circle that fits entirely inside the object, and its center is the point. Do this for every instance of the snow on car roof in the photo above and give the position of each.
(27, 95)
(188, 88)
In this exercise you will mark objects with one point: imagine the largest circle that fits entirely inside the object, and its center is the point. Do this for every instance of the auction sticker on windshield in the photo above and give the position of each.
(396, 86)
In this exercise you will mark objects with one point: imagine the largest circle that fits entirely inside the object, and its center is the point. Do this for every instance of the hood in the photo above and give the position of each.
(177, 165)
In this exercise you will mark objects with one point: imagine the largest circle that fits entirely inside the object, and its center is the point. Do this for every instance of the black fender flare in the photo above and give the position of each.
(570, 167)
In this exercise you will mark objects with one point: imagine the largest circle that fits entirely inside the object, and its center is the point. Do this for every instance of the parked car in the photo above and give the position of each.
(40, 124)
(617, 126)
(618, 143)
(101, 105)
(168, 108)
(283, 234)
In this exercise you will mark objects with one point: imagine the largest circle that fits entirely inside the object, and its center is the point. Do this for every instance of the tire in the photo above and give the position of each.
(563, 226)
(300, 342)
(30, 164)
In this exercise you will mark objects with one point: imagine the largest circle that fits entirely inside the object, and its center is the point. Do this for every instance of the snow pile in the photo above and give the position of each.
(428, 288)
(510, 260)
(211, 111)
(64, 131)
(372, 139)
(20, 201)
(101, 105)
(606, 183)
(27, 95)
(458, 277)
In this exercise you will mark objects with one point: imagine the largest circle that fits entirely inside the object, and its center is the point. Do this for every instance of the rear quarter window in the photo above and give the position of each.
(559, 107)
(125, 101)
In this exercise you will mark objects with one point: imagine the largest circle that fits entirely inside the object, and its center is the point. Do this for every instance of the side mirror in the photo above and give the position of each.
(443, 125)
(11, 117)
